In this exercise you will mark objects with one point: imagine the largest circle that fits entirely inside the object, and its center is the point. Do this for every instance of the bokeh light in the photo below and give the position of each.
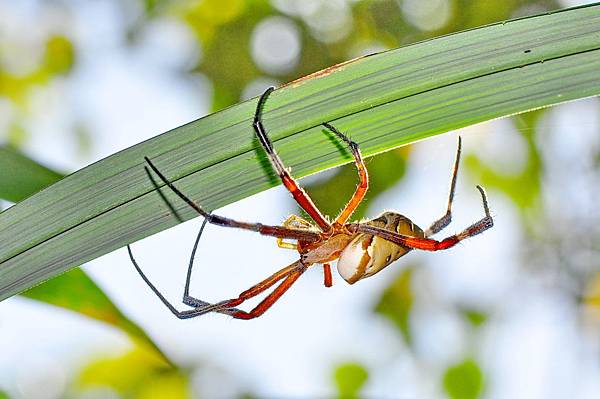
(276, 45)
(427, 15)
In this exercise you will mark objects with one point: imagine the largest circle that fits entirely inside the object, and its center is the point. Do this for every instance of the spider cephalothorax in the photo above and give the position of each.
(361, 248)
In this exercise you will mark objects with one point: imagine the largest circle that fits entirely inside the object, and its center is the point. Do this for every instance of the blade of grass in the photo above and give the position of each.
(384, 101)
(21, 177)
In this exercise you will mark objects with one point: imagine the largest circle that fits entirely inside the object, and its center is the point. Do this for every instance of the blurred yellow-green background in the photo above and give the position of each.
(513, 313)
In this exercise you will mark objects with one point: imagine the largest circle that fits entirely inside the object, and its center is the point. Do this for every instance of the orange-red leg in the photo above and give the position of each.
(362, 187)
(289, 182)
(289, 275)
(268, 282)
(428, 244)
(270, 299)
(327, 277)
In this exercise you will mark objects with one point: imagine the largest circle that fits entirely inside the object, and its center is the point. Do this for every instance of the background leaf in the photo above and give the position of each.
(349, 379)
(136, 374)
(21, 176)
(463, 380)
(74, 290)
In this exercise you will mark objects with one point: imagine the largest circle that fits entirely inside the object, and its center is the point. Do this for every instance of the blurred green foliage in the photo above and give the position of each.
(59, 55)
(397, 301)
(524, 187)
(463, 380)
(57, 59)
(224, 29)
(136, 374)
(75, 291)
(349, 379)
(475, 317)
(21, 176)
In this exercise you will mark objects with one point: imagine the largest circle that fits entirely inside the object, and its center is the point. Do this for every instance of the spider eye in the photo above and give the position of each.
(389, 257)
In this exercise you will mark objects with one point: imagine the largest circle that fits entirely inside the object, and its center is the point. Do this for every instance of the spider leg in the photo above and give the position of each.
(177, 313)
(288, 181)
(428, 244)
(362, 187)
(288, 274)
(187, 299)
(445, 220)
(162, 196)
(294, 221)
(274, 231)
(327, 278)
(265, 304)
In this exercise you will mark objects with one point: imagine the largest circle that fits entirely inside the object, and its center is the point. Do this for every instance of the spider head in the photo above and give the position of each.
(366, 254)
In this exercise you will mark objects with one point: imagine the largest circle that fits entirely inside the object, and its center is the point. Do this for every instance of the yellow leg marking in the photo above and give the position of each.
(286, 245)
(292, 221)
(296, 221)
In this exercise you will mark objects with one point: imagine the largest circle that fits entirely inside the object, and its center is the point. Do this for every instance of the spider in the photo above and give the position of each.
(361, 248)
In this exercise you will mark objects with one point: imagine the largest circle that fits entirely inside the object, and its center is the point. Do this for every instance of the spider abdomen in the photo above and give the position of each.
(366, 254)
